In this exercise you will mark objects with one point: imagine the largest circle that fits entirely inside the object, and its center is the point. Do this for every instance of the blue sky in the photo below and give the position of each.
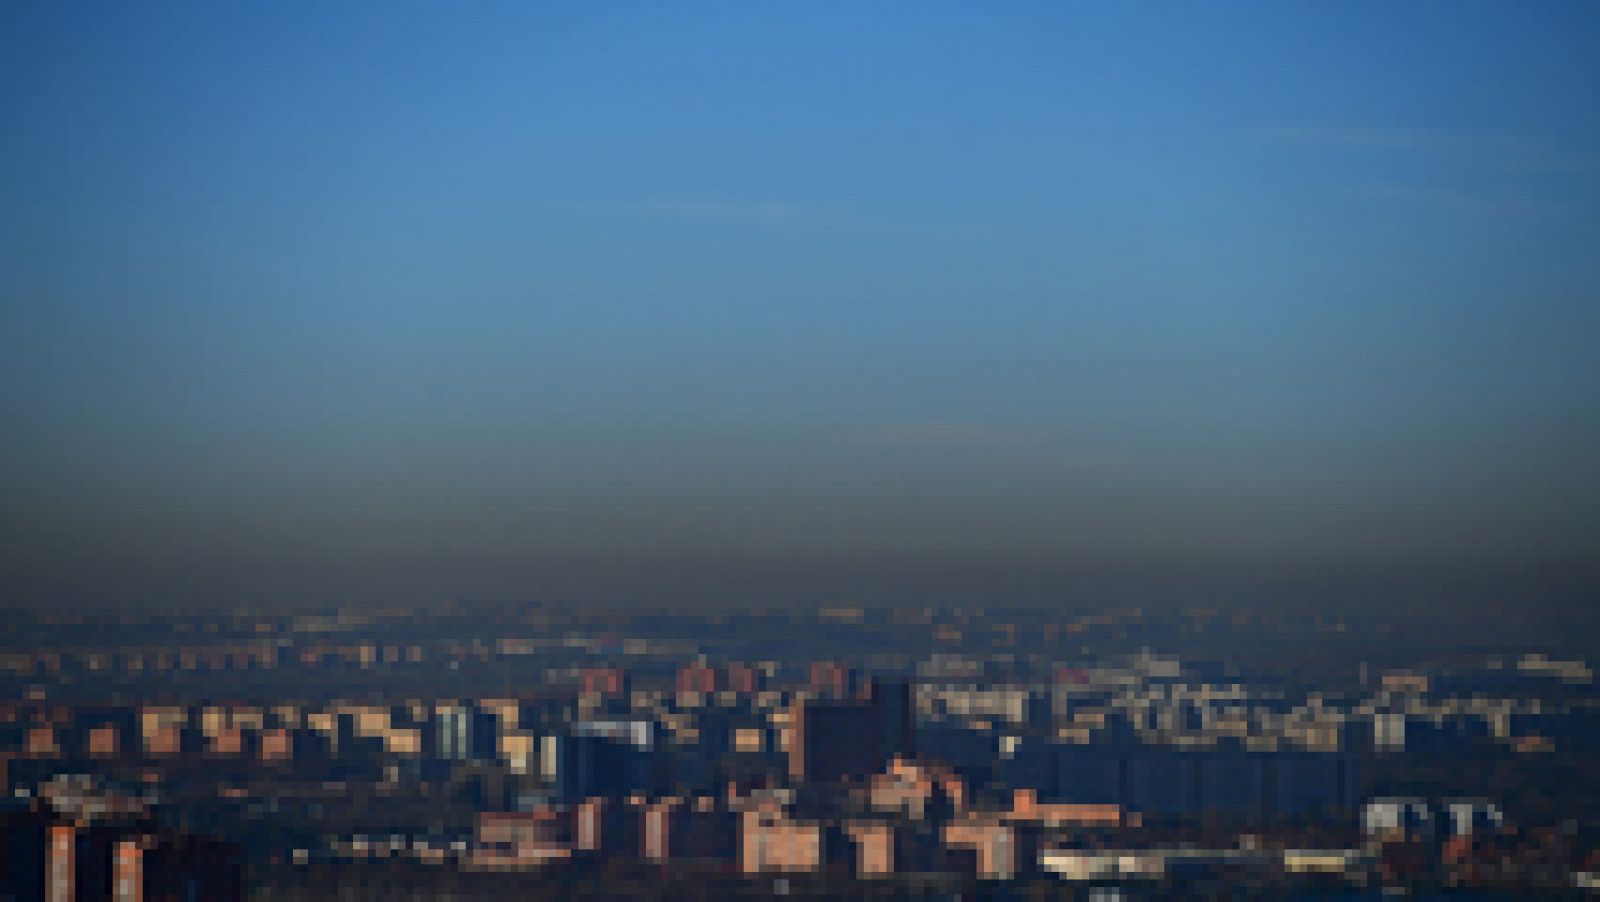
(316, 282)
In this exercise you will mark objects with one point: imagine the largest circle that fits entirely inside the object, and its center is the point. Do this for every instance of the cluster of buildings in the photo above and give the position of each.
(969, 751)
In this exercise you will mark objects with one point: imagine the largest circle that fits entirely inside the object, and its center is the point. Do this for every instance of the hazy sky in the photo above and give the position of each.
(320, 301)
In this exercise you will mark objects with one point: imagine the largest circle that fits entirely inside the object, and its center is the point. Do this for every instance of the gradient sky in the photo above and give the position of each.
(322, 302)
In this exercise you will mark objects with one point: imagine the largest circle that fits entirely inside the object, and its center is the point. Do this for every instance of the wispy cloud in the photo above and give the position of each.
(938, 432)
(781, 213)
(725, 210)
(1501, 149)
(1459, 199)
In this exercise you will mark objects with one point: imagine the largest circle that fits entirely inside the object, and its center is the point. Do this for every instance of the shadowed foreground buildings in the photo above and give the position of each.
(77, 843)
